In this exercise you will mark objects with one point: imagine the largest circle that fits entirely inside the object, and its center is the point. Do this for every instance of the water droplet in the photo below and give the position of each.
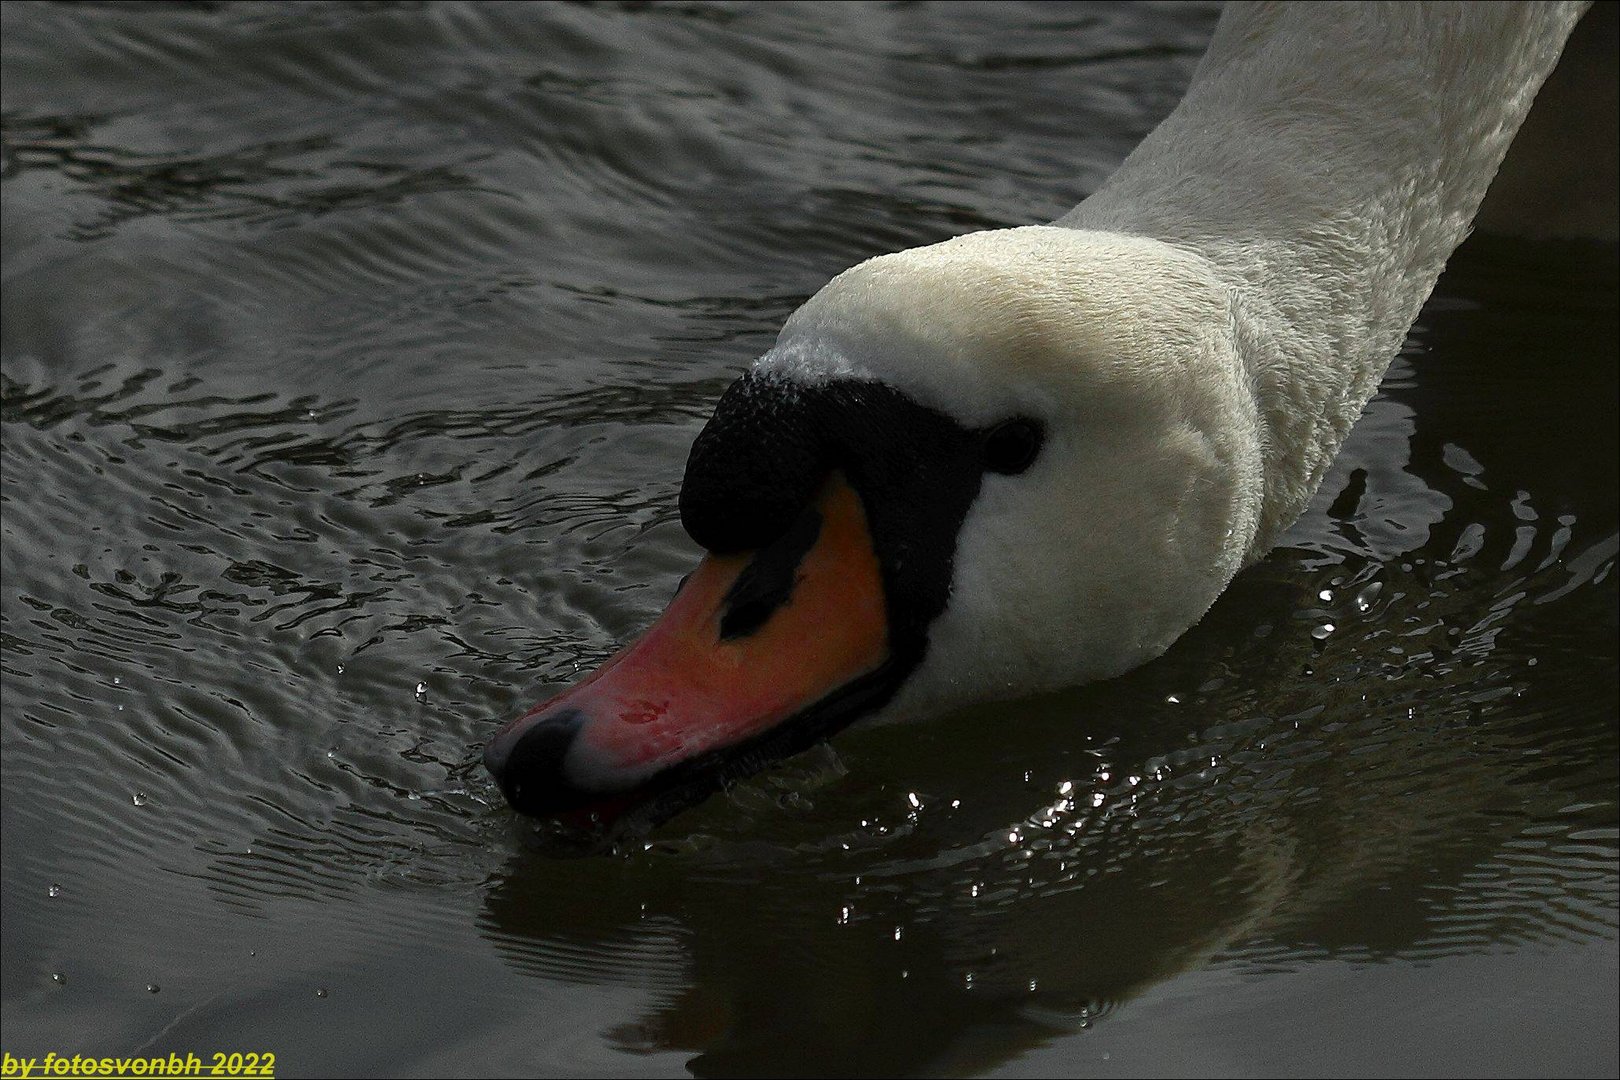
(139, 798)
(1065, 787)
(973, 890)
(421, 691)
(117, 680)
(897, 933)
(916, 803)
(843, 915)
(956, 804)
(1321, 633)
(120, 708)
(1366, 597)
(340, 669)
(967, 981)
(1034, 984)
(1326, 596)
(1172, 700)
(54, 891)
(1012, 837)
(152, 988)
(58, 978)
(321, 992)
(414, 796)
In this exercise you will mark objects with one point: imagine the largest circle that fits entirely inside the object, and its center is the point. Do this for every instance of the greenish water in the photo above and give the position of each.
(351, 354)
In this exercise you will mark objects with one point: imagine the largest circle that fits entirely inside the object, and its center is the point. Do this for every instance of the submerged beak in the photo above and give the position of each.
(755, 657)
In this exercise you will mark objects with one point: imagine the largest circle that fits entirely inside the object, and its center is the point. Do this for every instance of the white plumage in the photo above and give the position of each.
(1198, 336)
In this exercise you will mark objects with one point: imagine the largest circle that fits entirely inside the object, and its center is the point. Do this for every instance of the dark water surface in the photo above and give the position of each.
(351, 357)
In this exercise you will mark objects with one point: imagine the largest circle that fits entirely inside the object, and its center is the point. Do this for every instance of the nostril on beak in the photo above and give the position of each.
(527, 761)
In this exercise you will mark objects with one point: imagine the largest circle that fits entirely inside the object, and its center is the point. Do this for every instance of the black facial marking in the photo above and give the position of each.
(771, 444)
(755, 465)
(767, 581)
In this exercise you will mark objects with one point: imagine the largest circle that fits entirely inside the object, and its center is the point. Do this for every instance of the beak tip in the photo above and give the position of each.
(529, 762)
(495, 755)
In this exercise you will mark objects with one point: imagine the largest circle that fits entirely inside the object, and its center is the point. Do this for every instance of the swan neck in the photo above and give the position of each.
(1327, 159)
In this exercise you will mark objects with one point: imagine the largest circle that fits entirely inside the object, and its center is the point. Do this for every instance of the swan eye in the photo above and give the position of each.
(1012, 446)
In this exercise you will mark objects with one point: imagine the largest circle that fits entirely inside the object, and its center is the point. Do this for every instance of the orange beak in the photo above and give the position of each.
(744, 661)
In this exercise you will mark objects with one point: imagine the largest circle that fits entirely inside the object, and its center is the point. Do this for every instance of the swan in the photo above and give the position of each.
(1030, 458)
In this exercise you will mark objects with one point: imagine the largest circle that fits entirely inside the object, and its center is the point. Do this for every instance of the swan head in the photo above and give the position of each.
(1010, 462)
